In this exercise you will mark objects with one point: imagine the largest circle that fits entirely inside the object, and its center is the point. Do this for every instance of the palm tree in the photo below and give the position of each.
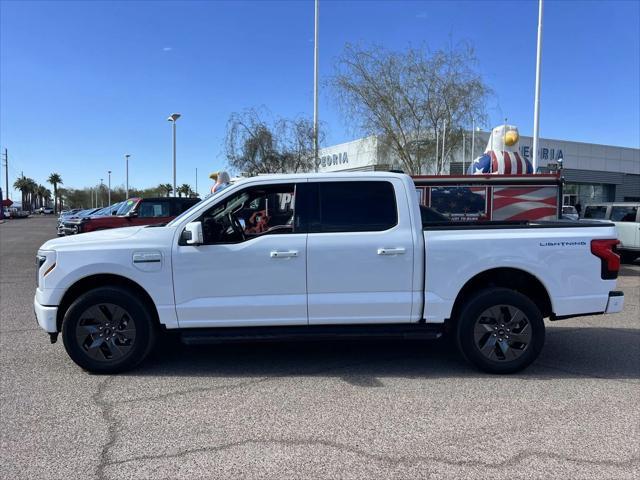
(184, 188)
(55, 179)
(166, 188)
(32, 188)
(21, 184)
(62, 194)
(41, 193)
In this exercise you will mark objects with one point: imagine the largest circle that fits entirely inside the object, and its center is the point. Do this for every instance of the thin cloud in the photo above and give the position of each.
(167, 49)
(421, 15)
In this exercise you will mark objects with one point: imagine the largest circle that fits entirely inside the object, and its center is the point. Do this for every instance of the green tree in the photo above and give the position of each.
(55, 179)
(409, 99)
(32, 188)
(165, 188)
(256, 143)
(41, 193)
(22, 185)
(184, 188)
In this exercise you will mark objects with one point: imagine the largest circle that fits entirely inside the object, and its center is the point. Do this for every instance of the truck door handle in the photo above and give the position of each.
(391, 251)
(287, 254)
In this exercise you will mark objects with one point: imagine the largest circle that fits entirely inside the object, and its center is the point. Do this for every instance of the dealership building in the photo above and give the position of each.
(593, 173)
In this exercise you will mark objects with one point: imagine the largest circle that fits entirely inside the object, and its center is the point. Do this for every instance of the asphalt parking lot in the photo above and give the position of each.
(319, 410)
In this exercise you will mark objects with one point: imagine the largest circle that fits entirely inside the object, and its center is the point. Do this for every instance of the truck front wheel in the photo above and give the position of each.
(108, 330)
(500, 330)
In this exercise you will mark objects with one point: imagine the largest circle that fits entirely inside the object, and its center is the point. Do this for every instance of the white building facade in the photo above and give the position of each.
(593, 173)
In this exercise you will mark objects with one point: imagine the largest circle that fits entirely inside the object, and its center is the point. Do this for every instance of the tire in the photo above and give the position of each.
(108, 330)
(500, 331)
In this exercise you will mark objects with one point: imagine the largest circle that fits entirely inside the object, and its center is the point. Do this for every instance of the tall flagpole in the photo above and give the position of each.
(473, 139)
(464, 152)
(444, 136)
(536, 113)
(315, 87)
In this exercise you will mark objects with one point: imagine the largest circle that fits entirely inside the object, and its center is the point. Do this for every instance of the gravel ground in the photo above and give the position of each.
(318, 410)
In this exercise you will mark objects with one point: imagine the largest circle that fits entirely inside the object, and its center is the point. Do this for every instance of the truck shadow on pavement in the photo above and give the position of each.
(601, 353)
(627, 271)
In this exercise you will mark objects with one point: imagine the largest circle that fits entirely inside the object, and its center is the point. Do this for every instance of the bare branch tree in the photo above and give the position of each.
(405, 98)
(255, 145)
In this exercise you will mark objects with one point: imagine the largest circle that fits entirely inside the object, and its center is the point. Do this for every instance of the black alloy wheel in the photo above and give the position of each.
(500, 330)
(108, 330)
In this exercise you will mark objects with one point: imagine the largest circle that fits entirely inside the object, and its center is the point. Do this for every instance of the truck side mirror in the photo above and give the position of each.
(192, 234)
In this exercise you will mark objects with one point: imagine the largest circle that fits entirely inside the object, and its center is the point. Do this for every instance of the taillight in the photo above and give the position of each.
(609, 259)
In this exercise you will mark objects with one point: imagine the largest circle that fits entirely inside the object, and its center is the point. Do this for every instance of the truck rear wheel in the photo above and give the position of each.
(108, 330)
(500, 331)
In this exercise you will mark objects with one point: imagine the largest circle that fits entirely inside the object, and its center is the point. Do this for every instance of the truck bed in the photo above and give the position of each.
(492, 224)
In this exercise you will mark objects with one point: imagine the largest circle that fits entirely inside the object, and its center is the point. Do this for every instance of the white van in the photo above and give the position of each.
(626, 217)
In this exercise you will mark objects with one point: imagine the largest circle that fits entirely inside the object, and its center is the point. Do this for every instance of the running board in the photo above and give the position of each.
(207, 336)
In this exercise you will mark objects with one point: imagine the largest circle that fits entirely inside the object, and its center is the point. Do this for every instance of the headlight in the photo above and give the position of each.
(45, 262)
(40, 259)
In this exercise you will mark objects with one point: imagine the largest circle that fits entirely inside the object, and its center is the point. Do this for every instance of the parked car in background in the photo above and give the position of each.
(135, 211)
(67, 225)
(69, 212)
(569, 212)
(13, 212)
(64, 217)
(626, 218)
(45, 211)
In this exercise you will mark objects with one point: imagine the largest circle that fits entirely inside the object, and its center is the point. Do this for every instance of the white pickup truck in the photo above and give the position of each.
(322, 256)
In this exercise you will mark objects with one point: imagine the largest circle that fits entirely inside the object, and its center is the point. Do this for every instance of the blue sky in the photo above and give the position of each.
(84, 82)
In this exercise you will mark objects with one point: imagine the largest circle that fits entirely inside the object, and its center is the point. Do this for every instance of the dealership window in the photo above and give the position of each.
(623, 214)
(590, 192)
(355, 207)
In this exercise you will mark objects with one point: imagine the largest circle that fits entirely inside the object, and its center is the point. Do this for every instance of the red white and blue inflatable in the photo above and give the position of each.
(502, 155)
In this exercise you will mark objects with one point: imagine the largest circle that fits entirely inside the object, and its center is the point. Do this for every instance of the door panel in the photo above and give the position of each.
(252, 269)
(242, 284)
(360, 276)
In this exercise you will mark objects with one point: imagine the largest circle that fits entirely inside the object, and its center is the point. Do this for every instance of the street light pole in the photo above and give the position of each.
(536, 105)
(315, 85)
(444, 135)
(464, 152)
(126, 162)
(172, 118)
(473, 140)
(109, 201)
(101, 197)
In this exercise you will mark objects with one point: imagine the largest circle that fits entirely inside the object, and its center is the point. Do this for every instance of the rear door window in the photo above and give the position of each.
(595, 212)
(624, 214)
(355, 207)
(153, 208)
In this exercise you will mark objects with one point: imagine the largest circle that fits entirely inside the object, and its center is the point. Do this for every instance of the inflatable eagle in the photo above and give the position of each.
(502, 155)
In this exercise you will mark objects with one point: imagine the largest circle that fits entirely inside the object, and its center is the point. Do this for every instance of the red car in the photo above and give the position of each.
(135, 211)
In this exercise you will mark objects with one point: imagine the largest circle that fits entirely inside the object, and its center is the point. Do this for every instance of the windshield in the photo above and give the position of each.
(102, 211)
(127, 206)
(88, 212)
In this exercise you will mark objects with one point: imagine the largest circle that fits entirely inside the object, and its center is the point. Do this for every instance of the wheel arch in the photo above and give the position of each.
(506, 277)
(91, 282)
